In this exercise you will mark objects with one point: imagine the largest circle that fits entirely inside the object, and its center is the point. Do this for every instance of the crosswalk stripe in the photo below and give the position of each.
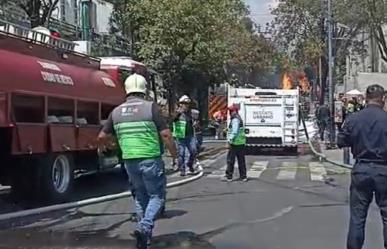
(218, 173)
(257, 169)
(288, 171)
(317, 171)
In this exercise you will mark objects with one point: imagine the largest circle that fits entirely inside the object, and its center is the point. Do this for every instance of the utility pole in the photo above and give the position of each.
(330, 76)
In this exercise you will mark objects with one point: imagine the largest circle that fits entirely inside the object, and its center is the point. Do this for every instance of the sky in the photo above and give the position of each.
(260, 10)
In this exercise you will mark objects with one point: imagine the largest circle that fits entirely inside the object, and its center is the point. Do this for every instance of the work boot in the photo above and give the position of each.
(226, 179)
(244, 179)
(142, 239)
(191, 170)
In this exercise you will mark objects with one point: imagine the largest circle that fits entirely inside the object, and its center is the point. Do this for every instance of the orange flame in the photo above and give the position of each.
(287, 82)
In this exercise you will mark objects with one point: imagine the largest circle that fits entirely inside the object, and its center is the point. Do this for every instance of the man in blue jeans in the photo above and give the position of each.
(139, 128)
(183, 132)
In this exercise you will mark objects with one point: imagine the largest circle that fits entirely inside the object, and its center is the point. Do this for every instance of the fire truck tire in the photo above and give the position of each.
(57, 177)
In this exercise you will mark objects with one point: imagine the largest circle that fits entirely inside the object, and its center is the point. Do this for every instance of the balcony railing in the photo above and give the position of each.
(31, 35)
(12, 14)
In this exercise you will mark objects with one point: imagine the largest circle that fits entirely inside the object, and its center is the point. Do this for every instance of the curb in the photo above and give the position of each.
(324, 157)
(91, 201)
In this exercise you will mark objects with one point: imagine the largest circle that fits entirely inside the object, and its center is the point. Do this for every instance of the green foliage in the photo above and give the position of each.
(300, 28)
(38, 11)
(181, 38)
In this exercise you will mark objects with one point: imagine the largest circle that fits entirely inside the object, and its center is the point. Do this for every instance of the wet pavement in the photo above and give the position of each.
(273, 210)
(107, 183)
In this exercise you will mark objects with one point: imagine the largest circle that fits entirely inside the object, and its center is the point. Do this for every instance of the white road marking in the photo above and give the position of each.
(218, 173)
(257, 169)
(288, 171)
(317, 171)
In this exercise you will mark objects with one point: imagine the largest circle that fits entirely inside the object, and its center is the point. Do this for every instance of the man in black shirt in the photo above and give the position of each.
(366, 133)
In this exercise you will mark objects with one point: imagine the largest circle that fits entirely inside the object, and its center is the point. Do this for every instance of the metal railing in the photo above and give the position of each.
(32, 35)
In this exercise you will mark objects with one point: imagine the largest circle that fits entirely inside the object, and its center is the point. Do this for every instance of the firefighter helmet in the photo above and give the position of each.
(135, 83)
(185, 100)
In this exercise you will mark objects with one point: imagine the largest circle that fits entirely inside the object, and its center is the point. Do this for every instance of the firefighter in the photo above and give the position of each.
(366, 133)
(139, 127)
(237, 145)
(184, 133)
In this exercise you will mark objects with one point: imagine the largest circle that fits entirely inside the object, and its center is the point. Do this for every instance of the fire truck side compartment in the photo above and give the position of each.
(49, 104)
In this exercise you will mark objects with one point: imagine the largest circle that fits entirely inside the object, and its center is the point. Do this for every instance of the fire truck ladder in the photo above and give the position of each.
(10, 29)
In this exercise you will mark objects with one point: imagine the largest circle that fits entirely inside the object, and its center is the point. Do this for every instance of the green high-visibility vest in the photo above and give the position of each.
(138, 140)
(179, 129)
(240, 138)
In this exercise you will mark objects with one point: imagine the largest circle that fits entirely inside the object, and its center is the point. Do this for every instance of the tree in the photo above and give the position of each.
(38, 11)
(299, 25)
(188, 42)
(375, 13)
(299, 28)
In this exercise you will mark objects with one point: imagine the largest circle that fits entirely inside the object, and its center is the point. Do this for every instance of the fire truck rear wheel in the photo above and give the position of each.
(57, 177)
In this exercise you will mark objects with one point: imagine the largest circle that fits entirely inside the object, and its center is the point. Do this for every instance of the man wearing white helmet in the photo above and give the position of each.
(140, 130)
(183, 132)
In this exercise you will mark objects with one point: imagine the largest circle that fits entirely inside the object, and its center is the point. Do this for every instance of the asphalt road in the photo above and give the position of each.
(106, 183)
(289, 202)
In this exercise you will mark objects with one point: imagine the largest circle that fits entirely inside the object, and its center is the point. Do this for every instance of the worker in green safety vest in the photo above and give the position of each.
(183, 131)
(140, 129)
(237, 146)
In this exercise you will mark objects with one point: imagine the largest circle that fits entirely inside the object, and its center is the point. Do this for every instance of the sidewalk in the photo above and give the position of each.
(336, 155)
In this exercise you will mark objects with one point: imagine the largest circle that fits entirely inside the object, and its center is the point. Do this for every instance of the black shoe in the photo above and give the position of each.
(243, 179)
(226, 179)
(161, 212)
(133, 218)
(142, 240)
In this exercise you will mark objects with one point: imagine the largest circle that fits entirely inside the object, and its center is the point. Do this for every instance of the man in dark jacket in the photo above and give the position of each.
(323, 116)
(365, 132)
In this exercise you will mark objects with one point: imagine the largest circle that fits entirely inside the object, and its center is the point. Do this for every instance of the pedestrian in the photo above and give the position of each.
(323, 116)
(198, 130)
(237, 146)
(365, 133)
(139, 126)
(198, 133)
(218, 124)
(184, 134)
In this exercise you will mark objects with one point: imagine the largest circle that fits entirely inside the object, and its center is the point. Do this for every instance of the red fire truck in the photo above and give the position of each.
(52, 104)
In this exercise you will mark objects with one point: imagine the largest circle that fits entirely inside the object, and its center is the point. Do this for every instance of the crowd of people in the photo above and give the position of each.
(348, 106)
(143, 134)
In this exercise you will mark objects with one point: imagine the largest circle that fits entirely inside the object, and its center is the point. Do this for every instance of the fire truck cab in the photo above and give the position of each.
(52, 104)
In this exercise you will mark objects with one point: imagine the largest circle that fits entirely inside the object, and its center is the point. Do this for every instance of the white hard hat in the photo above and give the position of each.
(135, 83)
(185, 99)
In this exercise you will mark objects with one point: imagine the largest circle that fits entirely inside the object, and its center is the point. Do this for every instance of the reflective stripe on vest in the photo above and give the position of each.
(138, 140)
(179, 129)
